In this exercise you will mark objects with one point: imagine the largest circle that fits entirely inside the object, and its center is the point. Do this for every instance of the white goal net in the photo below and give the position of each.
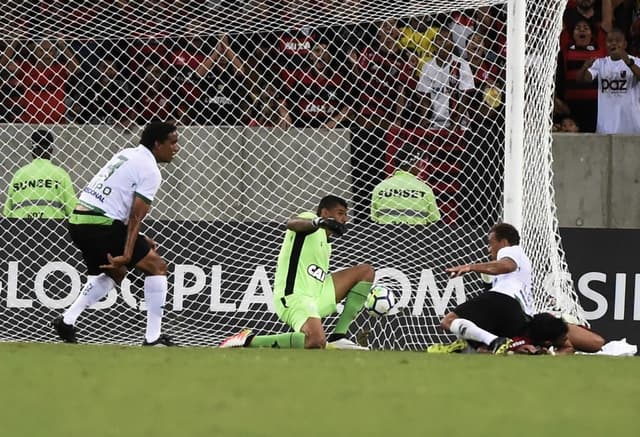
(278, 104)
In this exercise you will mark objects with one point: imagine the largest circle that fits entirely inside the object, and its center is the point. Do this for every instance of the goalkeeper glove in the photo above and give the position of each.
(331, 224)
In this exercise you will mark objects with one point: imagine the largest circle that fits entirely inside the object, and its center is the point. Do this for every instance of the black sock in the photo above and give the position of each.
(335, 336)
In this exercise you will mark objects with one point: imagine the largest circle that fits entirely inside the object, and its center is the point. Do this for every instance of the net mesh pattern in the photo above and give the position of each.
(278, 103)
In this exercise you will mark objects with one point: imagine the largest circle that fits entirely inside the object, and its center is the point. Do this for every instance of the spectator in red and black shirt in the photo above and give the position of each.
(590, 10)
(378, 71)
(581, 98)
(210, 82)
(278, 54)
(42, 78)
(101, 96)
(154, 94)
(319, 96)
(10, 89)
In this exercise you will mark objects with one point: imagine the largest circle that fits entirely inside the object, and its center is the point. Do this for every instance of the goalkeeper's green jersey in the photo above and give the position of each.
(403, 198)
(40, 190)
(303, 262)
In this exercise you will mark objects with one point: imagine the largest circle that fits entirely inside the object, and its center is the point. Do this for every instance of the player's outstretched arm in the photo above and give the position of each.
(499, 267)
(459, 270)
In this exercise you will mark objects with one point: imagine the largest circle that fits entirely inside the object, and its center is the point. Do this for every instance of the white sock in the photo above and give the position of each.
(468, 330)
(155, 292)
(94, 290)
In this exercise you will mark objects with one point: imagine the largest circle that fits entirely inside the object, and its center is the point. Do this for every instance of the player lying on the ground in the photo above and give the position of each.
(580, 338)
(496, 317)
(304, 291)
(544, 333)
(491, 323)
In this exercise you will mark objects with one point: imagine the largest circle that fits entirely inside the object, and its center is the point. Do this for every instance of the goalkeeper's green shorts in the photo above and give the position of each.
(296, 308)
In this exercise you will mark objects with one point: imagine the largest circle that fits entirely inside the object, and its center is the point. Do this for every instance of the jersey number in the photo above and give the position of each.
(100, 187)
(113, 167)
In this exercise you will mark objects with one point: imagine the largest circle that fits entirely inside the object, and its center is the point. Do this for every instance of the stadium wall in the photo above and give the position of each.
(596, 177)
(217, 162)
(597, 180)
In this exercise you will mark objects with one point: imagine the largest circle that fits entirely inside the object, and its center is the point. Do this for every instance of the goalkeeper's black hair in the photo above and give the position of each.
(331, 201)
(545, 327)
(505, 231)
(156, 131)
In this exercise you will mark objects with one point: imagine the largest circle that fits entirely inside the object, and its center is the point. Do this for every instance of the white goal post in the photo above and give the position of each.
(279, 103)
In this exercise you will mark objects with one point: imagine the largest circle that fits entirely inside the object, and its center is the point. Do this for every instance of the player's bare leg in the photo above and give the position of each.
(314, 337)
(354, 284)
(345, 280)
(583, 339)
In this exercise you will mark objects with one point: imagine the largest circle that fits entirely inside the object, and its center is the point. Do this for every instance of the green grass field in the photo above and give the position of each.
(52, 390)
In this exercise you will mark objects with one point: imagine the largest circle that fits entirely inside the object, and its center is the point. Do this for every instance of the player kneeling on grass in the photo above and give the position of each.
(304, 290)
(536, 335)
(495, 316)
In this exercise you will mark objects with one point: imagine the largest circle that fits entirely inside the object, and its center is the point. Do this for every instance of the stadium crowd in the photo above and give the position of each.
(374, 75)
(391, 73)
(608, 30)
(439, 77)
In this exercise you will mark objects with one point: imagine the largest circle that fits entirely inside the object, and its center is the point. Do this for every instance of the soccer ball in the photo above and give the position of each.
(379, 301)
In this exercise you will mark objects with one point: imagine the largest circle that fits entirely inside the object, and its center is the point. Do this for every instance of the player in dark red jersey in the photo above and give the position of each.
(544, 333)
(579, 338)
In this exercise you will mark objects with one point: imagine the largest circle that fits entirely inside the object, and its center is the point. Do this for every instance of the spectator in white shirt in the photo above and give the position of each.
(444, 81)
(618, 87)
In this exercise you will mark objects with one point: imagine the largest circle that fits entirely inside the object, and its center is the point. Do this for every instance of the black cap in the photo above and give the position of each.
(407, 156)
(42, 138)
